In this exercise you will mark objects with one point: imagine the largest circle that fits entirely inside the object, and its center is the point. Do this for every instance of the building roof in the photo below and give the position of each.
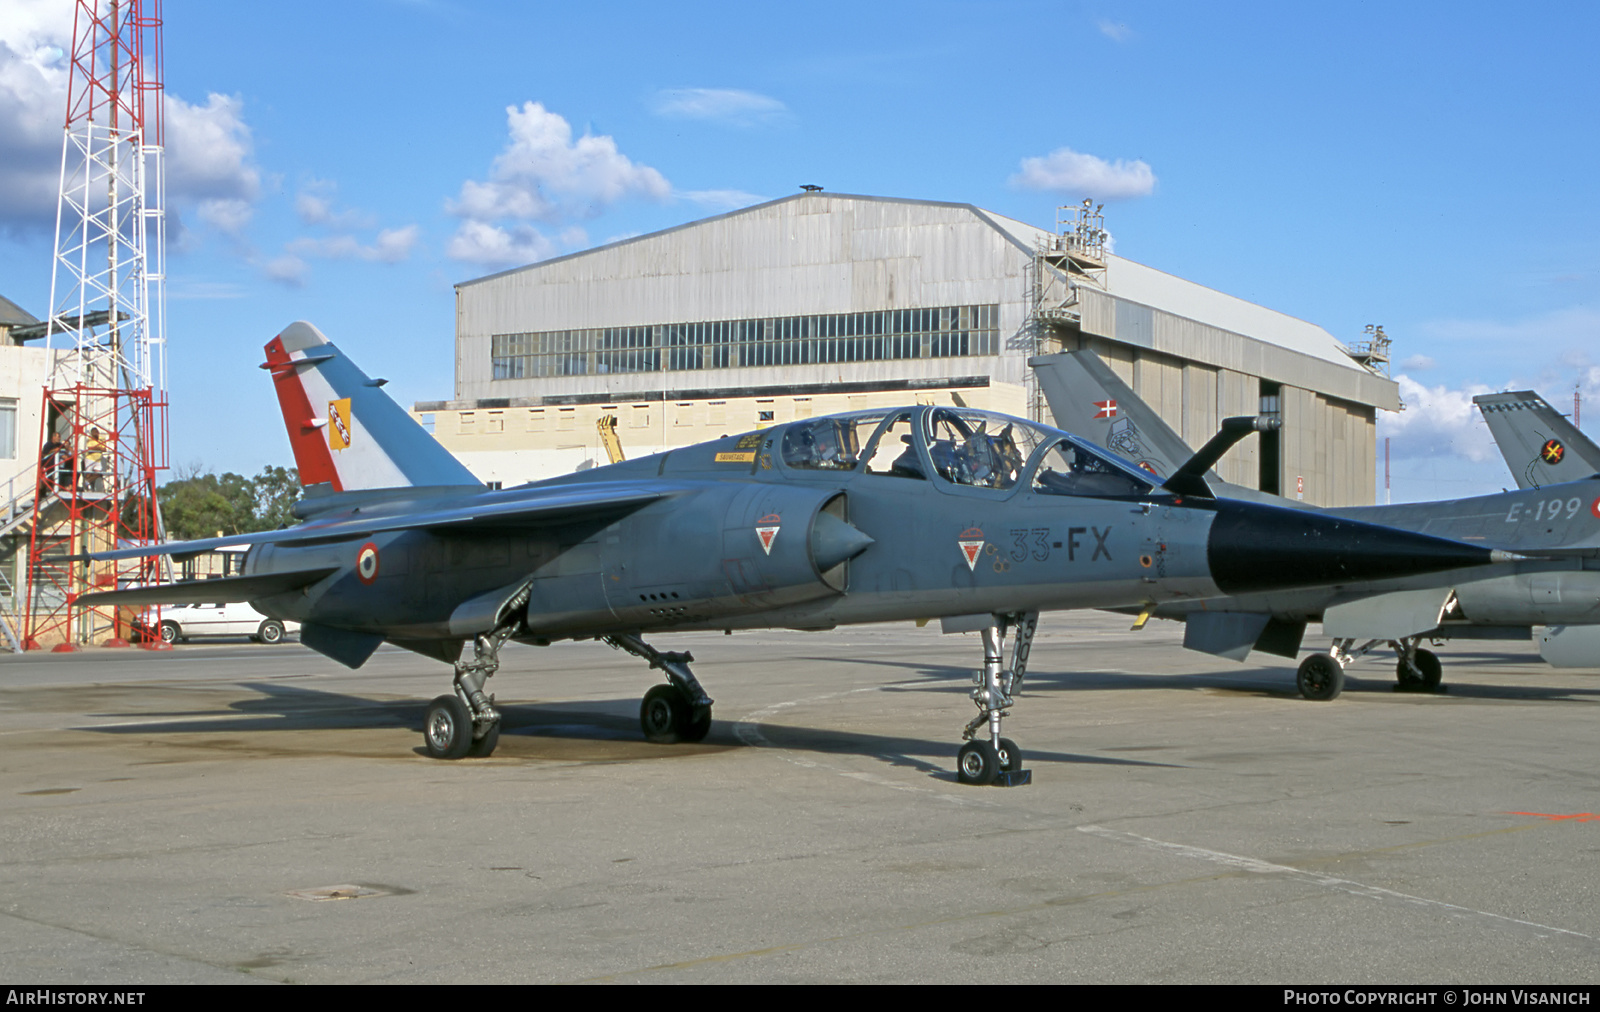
(12, 315)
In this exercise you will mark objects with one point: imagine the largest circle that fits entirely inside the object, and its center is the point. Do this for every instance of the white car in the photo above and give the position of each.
(183, 621)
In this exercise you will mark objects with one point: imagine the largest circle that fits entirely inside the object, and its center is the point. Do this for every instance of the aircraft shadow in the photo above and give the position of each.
(1258, 680)
(280, 707)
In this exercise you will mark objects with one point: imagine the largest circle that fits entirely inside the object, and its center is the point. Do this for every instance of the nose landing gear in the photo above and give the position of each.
(997, 761)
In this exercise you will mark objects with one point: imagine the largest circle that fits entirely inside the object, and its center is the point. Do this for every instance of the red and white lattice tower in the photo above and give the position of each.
(103, 431)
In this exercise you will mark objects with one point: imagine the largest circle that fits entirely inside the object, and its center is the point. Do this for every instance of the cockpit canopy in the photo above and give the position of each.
(960, 446)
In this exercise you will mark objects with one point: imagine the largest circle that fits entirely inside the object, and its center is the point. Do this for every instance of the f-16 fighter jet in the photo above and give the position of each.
(973, 518)
(1560, 521)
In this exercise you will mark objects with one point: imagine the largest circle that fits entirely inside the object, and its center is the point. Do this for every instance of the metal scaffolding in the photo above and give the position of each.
(103, 429)
(1074, 255)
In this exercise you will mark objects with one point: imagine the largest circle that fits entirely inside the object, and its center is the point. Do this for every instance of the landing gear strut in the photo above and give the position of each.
(1419, 669)
(997, 760)
(467, 723)
(1321, 676)
(677, 711)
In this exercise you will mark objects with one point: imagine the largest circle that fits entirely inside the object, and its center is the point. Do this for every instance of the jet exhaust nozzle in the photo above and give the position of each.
(1254, 547)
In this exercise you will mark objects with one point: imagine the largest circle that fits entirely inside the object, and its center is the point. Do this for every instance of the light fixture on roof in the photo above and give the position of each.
(810, 187)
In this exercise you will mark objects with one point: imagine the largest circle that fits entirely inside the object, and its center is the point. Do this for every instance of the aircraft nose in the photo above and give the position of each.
(1254, 547)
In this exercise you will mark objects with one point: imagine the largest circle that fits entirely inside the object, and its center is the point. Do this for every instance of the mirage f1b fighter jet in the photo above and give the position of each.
(917, 513)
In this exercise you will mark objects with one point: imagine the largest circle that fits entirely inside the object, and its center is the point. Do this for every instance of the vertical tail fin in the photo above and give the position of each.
(344, 429)
(1089, 400)
(1539, 445)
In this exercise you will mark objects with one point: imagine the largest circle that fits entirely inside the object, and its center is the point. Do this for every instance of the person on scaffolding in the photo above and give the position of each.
(51, 456)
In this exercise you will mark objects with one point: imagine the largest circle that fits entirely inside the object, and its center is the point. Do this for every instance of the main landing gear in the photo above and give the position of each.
(466, 723)
(677, 711)
(997, 760)
(1321, 676)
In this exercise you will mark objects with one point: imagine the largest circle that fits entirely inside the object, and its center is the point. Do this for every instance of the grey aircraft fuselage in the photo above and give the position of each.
(696, 558)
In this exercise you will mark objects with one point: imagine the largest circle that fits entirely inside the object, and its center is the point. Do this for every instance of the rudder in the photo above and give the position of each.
(344, 430)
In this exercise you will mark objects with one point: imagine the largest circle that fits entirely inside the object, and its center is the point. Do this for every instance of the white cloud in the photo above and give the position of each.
(1117, 31)
(315, 204)
(721, 105)
(226, 215)
(208, 149)
(287, 269)
(33, 102)
(1075, 174)
(477, 242)
(1438, 422)
(391, 246)
(543, 175)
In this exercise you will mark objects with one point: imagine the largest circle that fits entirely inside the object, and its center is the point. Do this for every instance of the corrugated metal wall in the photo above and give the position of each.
(815, 255)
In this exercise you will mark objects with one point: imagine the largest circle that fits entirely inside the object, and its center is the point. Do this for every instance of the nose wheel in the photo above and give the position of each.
(996, 760)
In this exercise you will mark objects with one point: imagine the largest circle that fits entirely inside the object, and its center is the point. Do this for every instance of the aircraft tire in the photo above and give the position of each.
(1010, 756)
(271, 631)
(483, 748)
(696, 723)
(977, 763)
(1428, 664)
(447, 729)
(662, 715)
(170, 633)
(1320, 677)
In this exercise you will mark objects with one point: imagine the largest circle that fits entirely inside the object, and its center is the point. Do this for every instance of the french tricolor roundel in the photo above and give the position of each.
(971, 543)
(1105, 409)
(367, 563)
(767, 530)
(1595, 509)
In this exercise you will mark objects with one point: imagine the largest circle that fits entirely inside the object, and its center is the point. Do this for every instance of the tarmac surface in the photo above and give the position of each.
(171, 817)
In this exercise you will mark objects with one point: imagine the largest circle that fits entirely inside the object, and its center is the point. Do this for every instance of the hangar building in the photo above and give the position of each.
(825, 302)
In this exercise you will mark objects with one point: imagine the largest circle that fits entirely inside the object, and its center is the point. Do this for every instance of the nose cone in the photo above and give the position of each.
(834, 541)
(1253, 547)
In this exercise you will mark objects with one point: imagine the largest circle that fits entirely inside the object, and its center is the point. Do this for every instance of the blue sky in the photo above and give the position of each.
(1427, 167)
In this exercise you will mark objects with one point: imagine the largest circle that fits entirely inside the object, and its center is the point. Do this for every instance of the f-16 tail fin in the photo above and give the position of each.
(345, 431)
(1540, 446)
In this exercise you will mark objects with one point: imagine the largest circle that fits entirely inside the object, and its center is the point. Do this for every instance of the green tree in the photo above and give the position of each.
(201, 505)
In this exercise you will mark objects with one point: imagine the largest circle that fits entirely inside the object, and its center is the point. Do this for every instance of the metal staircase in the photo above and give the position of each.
(17, 496)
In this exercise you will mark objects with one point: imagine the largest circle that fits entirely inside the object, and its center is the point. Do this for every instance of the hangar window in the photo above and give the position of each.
(934, 332)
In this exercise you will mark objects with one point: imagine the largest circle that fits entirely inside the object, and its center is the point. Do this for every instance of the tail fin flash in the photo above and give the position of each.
(344, 429)
(1540, 446)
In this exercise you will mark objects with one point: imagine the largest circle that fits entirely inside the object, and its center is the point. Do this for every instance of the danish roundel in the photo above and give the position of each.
(367, 563)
